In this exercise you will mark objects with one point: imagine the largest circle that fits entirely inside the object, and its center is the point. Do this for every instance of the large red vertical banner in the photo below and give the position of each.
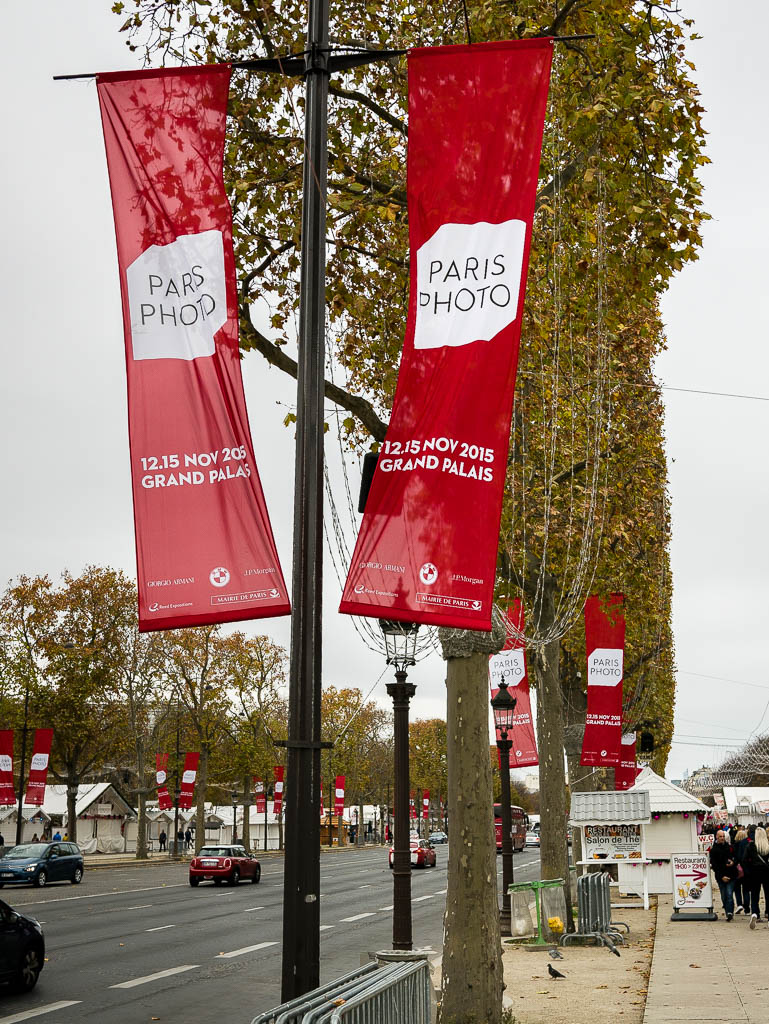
(161, 778)
(7, 794)
(38, 767)
(339, 796)
(605, 650)
(626, 771)
(511, 663)
(277, 790)
(190, 773)
(427, 546)
(260, 797)
(204, 546)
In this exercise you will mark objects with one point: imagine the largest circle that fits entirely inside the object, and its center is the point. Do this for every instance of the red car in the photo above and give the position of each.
(422, 854)
(228, 864)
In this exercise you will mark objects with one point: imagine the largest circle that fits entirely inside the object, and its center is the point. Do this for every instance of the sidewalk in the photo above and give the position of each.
(707, 971)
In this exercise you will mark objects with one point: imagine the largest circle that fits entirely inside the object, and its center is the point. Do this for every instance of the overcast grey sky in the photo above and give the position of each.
(65, 470)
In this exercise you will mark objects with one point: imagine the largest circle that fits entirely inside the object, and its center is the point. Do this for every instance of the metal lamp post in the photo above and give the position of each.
(400, 643)
(234, 798)
(503, 706)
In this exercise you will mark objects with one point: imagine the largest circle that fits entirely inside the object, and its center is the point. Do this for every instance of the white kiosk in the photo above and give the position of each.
(614, 832)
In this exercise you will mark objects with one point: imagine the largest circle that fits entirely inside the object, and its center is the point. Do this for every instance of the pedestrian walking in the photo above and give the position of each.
(187, 839)
(35, 838)
(180, 840)
(57, 836)
(742, 888)
(758, 861)
(724, 866)
(162, 838)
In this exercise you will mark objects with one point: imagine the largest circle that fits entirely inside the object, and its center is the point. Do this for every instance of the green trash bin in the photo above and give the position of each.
(550, 903)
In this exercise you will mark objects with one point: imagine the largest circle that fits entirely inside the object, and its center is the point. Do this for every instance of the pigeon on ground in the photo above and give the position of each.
(555, 954)
(553, 973)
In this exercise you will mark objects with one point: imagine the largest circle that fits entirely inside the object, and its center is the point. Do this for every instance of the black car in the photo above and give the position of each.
(22, 949)
(41, 863)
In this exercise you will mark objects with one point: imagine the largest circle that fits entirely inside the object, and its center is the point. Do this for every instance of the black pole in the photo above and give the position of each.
(176, 787)
(301, 905)
(503, 746)
(22, 767)
(401, 693)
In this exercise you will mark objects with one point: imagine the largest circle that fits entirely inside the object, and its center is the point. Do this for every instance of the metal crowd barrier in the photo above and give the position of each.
(368, 995)
(594, 911)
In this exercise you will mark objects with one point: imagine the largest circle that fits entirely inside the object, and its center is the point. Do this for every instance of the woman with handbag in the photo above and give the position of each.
(757, 859)
(742, 888)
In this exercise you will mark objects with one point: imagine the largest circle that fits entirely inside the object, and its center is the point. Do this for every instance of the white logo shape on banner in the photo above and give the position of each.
(468, 280)
(428, 574)
(604, 667)
(509, 664)
(6, 765)
(219, 576)
(39, 762)
(190, 775)
(177, 297)
(161, 777)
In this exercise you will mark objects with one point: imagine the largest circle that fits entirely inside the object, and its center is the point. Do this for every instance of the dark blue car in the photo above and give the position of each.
(41, 863)
(22, 949)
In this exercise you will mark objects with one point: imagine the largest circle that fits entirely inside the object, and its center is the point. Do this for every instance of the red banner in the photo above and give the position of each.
(260, 797)
(339, 796)
(511, 663)
(605, 650)
(7, 794)
(277, 790)
(425, 803)
(322, 808)
(627, 769)
(427, 546)
(187, 788)
(204, 545)
(38, 767)
(161, 777)
(412, 806)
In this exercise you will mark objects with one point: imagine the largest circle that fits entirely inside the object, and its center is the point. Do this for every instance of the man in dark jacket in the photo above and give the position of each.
(723, 863)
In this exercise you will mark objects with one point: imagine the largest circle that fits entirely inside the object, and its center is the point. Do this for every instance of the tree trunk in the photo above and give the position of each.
(72, 786)
(554, 852)
(359, 837)
(472, 958)
(246, 837)
(141, 805)
(201, 784)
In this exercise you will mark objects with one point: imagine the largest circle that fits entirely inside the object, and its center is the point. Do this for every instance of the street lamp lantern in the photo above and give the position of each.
(503, 706)
(401, 643)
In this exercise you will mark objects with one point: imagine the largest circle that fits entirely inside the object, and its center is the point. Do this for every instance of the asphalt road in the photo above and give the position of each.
(134, 944)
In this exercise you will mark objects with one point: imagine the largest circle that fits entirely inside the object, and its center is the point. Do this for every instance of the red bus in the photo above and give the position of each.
(520, 821)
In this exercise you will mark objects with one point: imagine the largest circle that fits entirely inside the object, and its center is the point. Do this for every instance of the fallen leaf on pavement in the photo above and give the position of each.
(602, 986)
(694, 965)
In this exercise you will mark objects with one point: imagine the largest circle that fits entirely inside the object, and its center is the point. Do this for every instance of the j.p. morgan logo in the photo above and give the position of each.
(177, 298)
(604, 667)
(468, 279)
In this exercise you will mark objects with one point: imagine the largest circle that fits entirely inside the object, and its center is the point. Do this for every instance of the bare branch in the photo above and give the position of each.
(372, 105)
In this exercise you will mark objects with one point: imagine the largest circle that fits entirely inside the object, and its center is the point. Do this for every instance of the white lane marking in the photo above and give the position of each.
(101, 895)
(420, 898)
(385, 908)
(142, 906)
(49, 1008)
(356, 917)
(245, 949)
(160, 928)
(250, 910)
(325, 927)
(366, 886)
(441, 892)
(154, 977)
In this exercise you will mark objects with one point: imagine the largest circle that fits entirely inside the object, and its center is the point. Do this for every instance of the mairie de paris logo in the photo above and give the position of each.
(219, 576)
(428, 574)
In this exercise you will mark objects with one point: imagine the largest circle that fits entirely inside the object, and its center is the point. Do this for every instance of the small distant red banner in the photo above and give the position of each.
(605, 650)
(425, 803)
(412, 806)
(427, 547)
(277, 790)
(204, 546)
(38, 767)
(339, 796)
(626, 771)
(161, 778)
(511, 663)
(260, 797)
(189, 775)
(7, 794)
